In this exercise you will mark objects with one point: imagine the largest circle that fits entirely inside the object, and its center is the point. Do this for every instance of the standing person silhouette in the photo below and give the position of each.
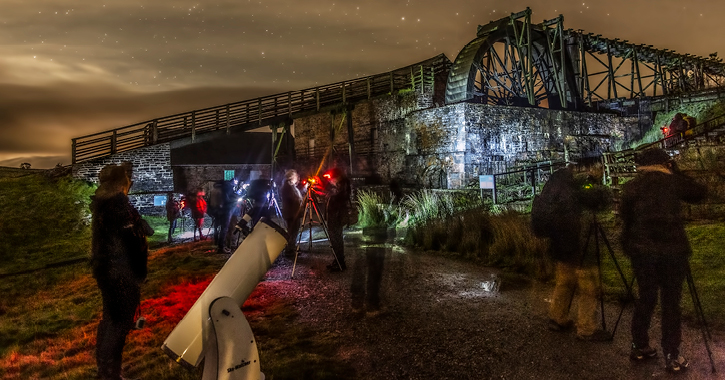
(173, 213)
(118, 260)
(654, 239)
(558, 214)
(198, 207)
(338, 206)
(292, 199)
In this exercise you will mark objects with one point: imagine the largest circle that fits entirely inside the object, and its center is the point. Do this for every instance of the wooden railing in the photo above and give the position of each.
(621, 164)
(249, 114)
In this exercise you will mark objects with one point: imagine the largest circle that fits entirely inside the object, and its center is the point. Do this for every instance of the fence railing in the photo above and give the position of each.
(523, 182)
(621, 164)
(255, 112)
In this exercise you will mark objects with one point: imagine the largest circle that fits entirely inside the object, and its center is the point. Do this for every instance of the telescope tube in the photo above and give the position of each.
(237, 279)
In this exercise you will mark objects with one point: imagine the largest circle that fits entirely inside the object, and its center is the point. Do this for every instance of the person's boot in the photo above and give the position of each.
(642, 353)
(676, 363)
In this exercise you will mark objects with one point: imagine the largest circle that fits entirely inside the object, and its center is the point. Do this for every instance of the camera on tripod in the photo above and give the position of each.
(262, 202)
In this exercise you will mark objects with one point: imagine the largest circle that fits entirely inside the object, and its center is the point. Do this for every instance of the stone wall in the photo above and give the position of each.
(404, 136)
(188, 178)
(152, 174)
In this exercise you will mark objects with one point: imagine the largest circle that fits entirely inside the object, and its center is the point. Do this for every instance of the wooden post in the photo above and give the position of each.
(73, 151)
(155, 131)
(274, 152)
(289, 103)
(332, 138)
(317, 95)
(114, 139)
(369, 90)
(351, 141)
(259, 108)
(228, 118)
(193, 126)
(392, 83)
(343, 92)
(494, 190)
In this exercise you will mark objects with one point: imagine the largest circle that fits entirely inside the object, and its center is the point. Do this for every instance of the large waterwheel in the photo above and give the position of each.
(512, 63)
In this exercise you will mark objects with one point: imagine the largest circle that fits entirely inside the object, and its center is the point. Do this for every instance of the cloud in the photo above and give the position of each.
(36, 162)
(40, 121)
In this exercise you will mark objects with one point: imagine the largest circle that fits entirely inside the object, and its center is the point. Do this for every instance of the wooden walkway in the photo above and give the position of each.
(253, 113)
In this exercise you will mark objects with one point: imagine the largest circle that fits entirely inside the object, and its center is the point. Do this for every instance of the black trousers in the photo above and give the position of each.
(664, 276)
(293, 229)
(221, 226)
(121, 297)
(334, 228)
(366, 278)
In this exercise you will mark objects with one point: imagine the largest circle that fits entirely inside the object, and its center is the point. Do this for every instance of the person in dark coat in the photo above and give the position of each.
(678, 124)
(292, 203)
(173, 213)
(221, 205)
(654, 238)
(557, 214)
(119, 257)
(337, 209)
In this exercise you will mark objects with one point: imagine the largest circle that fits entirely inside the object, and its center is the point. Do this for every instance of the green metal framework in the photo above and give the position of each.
(515, 62)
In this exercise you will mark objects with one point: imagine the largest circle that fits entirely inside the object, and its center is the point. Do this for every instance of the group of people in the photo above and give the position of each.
(653, 238)
(197, 206)
(120, 250)
(334, 187)
(334, 190)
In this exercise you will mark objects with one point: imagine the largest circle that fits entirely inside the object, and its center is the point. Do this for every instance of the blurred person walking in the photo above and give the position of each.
(119, 264)
(557, 214)
(654, 239)
(367, 272)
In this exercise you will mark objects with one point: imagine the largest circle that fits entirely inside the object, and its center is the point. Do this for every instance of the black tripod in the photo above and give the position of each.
(310, 206)
(705, 329)
(597, 232)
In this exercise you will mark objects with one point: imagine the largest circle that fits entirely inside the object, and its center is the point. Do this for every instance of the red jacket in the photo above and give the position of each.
(198, 208)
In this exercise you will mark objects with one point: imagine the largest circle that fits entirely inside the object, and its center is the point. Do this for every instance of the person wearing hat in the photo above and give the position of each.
(654, 239)
(118, 259)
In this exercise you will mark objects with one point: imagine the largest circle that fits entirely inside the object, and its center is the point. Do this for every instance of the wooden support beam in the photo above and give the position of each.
(193, 126)
(228, 117)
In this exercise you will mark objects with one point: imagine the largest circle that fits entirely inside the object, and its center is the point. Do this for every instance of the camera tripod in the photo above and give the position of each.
(307, 220)
(269, 204)
(596, 232)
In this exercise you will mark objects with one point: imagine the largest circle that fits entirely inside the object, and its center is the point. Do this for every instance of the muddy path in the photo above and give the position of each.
(447, 319)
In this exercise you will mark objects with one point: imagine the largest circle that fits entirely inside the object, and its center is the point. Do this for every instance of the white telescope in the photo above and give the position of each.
(220, 326)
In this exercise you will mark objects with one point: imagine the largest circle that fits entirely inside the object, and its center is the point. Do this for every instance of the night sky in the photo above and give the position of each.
(74, 67)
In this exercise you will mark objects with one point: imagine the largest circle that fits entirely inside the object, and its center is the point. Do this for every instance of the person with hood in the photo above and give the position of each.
(118, 259)
(654, 238)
